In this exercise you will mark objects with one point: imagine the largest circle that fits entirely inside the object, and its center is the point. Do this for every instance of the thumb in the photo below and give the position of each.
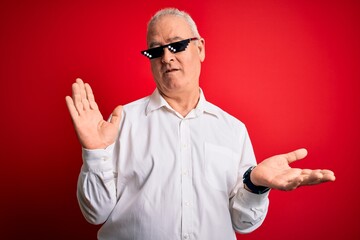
(116, 115)
(296, 155)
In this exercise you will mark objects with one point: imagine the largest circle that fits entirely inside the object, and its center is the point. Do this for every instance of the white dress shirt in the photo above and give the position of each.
(169, 177)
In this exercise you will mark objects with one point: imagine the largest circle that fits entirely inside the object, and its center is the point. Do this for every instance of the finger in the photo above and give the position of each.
(86, 104)
(79, 81)
(83, 94)
(71, 107)
(306, 171)
(116, 115)
(296, 155)
(77, 98)
(326, 171)
(328, 175)
(315, 177)
(81, 84)
(318, 176)
(90, 97)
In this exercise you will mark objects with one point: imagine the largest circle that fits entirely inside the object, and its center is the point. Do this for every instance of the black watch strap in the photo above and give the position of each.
(253, 188)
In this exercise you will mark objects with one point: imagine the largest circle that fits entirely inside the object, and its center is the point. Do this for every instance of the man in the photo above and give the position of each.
(172, 165)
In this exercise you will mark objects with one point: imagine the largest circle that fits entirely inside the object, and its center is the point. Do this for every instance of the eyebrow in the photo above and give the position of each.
(169, 40)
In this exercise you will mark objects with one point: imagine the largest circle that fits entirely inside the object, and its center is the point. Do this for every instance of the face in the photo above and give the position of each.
(175, 73)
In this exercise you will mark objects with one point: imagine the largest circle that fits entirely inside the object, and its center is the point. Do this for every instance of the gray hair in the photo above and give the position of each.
(174, 12)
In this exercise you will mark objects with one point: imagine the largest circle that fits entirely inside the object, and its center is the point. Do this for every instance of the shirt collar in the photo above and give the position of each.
(156, 102)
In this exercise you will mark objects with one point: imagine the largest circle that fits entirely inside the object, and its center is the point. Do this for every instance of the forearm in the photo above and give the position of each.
(248, 210)
(96, 190)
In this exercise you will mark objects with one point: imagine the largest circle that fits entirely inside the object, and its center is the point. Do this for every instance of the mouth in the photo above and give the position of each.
(171, 70)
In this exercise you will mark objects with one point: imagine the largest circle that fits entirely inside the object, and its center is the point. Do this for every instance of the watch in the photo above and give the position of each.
(253, 188)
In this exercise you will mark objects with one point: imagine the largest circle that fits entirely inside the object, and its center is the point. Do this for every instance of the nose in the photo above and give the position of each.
(168, 56)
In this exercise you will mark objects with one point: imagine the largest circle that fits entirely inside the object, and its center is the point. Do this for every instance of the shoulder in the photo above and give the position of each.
(233, 132)
(224, 116)
(137, 104)
(136, 108)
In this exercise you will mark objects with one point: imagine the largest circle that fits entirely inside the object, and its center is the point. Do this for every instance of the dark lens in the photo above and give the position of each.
(178, 46)
(153, 52)
(173, 47)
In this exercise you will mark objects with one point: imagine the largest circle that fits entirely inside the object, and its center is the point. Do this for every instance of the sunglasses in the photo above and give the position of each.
(174, 47)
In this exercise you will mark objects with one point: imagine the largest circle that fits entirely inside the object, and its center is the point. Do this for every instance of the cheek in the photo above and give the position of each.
(155, 69)
(156, 72)
(192, 62)
(192, 66)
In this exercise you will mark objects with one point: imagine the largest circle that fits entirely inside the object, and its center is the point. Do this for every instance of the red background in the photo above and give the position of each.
(288, 69)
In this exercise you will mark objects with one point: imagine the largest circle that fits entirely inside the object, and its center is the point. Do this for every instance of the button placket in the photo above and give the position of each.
(186, 179)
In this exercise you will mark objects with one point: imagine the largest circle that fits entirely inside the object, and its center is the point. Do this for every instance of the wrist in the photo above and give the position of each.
(250, 186)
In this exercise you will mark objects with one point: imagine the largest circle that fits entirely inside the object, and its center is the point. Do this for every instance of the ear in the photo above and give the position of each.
(201, 49)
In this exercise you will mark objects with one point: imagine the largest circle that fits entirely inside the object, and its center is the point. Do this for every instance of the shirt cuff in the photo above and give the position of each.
(249, 199)
(98, 160)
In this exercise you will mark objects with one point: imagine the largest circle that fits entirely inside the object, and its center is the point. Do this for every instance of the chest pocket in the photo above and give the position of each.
(221, 166)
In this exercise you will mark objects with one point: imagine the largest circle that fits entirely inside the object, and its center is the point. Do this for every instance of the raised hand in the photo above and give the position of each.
(91, 128)
(275, 172)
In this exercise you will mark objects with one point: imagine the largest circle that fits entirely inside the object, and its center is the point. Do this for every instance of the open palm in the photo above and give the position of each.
(275, 172)
(91, 128)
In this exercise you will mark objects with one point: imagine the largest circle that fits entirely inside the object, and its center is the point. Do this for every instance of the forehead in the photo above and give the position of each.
(168, 28)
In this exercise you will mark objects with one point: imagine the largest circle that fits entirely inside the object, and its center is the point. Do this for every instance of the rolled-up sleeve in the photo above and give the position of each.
(248, 210)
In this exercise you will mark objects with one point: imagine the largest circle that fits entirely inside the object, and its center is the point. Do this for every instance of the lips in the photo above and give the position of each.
(171, 70)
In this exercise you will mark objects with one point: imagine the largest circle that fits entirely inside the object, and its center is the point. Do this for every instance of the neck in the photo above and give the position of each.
(183, 103)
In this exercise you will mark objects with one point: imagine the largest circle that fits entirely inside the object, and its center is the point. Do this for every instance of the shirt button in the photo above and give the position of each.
(104, 158)
(186, 236)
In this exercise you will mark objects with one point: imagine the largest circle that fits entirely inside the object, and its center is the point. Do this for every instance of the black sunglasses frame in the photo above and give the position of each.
(174, 47)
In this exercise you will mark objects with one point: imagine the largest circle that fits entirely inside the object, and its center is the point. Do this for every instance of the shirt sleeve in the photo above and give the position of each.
(248, 210)
(96, 189)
